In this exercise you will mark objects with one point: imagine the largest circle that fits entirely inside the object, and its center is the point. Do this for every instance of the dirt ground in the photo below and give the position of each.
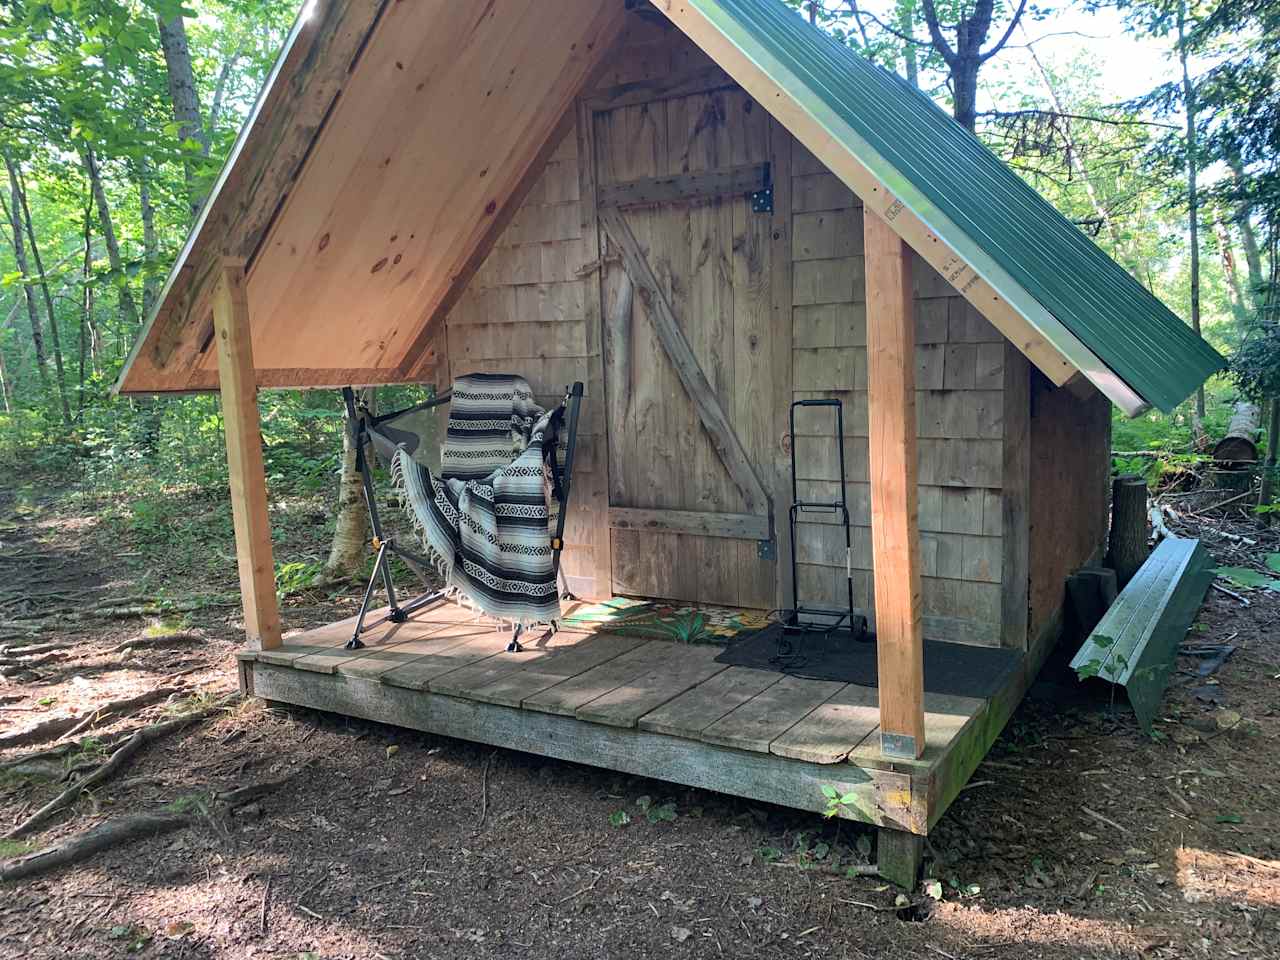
(1078, 837)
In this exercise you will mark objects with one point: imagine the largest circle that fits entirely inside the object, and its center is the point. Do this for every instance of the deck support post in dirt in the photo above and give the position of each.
(244, 456)
(895, 534)
(898, 856)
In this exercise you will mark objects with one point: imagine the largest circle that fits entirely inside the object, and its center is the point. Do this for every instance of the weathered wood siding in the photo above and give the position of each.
(540, 305)
(533, 309)
(1070, 487)
(959, 403)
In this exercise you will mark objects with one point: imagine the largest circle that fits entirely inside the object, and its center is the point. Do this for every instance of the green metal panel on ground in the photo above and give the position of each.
(1136, 643)
(953, 174)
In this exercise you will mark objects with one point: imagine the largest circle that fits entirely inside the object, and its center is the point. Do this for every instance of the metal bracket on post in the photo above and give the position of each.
(898, 745)
(766, 550)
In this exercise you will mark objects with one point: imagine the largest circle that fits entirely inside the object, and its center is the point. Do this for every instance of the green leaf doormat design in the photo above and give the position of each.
(683, 623)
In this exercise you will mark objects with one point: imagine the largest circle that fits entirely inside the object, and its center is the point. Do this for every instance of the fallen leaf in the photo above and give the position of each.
(178, 928)
(681, 934)
(392, 751)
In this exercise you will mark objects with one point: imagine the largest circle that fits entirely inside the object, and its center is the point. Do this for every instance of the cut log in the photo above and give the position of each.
(1127, 547)
(1240, 443)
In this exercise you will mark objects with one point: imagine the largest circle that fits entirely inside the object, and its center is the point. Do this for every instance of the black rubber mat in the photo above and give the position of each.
(960, 669)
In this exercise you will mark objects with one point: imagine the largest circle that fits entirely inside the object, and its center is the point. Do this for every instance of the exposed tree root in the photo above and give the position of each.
(121, 830)
(42, 731)
(114, 765)
(158, 642)
(84, 845)
(118, 708)
(71, 726)
(63, 749)
(31, 649)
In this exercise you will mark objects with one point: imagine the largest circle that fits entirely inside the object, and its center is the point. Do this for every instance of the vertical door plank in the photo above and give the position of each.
(894, 522)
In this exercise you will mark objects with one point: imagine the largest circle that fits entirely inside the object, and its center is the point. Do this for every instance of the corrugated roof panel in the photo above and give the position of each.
(1129, 329)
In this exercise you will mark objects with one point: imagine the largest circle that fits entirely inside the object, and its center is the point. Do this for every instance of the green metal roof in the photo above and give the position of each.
(1131, 332)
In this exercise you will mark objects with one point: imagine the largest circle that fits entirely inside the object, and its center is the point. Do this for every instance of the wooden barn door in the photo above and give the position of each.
(686, 312)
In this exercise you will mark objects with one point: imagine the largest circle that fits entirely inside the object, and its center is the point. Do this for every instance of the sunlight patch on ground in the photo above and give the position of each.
(1209, 875)
(984, 927)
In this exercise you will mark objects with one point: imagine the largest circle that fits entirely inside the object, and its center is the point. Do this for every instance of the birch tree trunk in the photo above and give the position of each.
(351, 532)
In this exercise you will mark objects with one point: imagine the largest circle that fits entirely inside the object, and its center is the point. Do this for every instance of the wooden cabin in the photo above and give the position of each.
(704, 210)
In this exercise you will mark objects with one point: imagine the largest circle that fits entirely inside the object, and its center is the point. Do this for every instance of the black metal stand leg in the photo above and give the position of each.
(514, 645)
(355, 643)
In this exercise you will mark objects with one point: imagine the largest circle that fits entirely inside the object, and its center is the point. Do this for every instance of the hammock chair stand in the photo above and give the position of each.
(364, 426)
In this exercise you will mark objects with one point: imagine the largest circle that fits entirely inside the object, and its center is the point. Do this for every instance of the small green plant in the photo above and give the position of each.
(837, 801)
(769, 854)
(297, 576)
(619, 819)
(15, 848)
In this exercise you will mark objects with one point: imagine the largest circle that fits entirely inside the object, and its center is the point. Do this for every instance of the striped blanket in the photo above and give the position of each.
(489, 537)
(491, 416)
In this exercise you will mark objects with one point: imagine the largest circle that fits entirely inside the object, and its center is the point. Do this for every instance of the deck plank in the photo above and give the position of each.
(695, 710)
(566, 697)
(465, 681)
(327, 644)
(475, 642)
(829, 733)
(512, 689)
(945, 716)
(683, 667)
(765, 717)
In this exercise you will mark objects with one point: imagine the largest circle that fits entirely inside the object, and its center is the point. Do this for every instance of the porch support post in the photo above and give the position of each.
(244, 456)
(895, 535)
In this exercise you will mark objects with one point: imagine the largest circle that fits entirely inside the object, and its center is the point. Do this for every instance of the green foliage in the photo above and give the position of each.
(837, 801)
(1248, 577)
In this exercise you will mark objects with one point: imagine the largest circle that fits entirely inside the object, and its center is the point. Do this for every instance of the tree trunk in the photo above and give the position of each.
(1239, 306)
(964, 84)
(149, 408)
(4, 385)
(1193, 198)
(185, 99)
(1248, 238)
(13, 213)
(906, 26)
(1239, 444)
(351, 532)
(128, 306)
(54, 337)
(1127, 549)
(150, 242)
(1269, 465)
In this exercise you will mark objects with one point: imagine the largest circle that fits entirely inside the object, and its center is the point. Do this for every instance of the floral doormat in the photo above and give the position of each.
(683, 623)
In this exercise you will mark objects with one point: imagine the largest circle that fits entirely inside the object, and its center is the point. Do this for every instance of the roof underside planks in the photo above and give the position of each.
(364, 198)
(364, 191)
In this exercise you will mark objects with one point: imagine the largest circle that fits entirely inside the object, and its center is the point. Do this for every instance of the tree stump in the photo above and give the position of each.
(1127, 548)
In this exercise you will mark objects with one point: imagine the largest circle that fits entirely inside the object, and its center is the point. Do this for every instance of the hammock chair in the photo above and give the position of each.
(481, 503)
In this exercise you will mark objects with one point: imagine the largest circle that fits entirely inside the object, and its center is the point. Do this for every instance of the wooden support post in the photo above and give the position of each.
(244, 457)
(895, 535)
(898, 856)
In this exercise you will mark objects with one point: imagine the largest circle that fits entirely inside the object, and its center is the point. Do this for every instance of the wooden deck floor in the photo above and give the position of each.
(649, 707)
